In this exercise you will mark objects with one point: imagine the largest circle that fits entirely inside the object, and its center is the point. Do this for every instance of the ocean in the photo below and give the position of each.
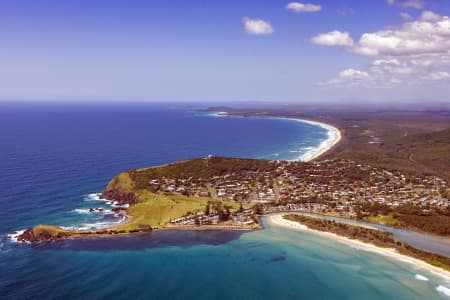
(55, 158)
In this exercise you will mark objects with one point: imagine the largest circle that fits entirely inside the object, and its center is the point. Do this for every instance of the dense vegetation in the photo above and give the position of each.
(372, 236)
(409, 216)
(198, 168)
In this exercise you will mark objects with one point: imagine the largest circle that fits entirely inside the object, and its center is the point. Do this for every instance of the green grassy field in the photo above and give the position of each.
(385, 220)
(156, 210)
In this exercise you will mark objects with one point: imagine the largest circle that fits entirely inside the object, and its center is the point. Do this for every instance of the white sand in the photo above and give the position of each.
(390, 252)
(334, 136)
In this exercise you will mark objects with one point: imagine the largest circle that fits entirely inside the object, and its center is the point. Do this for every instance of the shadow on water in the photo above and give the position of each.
(157, 239)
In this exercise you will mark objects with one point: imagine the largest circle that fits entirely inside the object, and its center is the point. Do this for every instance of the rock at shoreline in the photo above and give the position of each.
(43, 233)
(119, 196)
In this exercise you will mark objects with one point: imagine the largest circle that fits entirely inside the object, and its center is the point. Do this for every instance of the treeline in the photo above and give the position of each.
(223, 211)
(372, 236)
(432, 220)
(199, 168)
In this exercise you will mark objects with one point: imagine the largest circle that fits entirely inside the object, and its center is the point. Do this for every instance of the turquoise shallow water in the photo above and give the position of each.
(274, 263)
(52, 158)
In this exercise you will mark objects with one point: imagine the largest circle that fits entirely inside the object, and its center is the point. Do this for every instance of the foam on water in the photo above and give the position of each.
(13, 236)
(443, 290)
(95, 226)
(421, 277)
(85, 211)
(94, 197)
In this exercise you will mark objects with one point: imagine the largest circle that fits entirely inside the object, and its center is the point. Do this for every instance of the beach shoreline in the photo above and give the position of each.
(334, 137)
(333, 133)
(278, 220)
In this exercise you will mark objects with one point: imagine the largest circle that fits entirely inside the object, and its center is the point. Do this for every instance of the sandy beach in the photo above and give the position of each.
(334, 136)
(278, 220)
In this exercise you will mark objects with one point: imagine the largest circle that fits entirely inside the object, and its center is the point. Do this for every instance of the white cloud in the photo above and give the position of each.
(380, 62)
(354, 74)
(257, 26)
(349, 77)
(413, 53)
(405, 16)
(429, 16)
(416, 4)
(437, 76)
(302, 7)
(333, 38)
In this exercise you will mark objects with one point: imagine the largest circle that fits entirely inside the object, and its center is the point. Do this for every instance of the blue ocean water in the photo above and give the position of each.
(53, 158)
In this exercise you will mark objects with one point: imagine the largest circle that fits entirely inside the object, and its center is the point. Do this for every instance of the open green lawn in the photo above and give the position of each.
(383, 219)
(157, 210)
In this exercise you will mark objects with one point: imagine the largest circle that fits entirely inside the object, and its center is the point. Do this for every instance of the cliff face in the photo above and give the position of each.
(120, 189)
(119, 196)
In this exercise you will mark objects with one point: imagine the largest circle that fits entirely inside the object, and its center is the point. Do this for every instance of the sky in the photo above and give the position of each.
(207, 50)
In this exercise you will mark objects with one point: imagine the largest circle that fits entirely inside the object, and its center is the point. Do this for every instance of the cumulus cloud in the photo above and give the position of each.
(354, 74)
(405, 16)
(416, 4)
(333, 38)
(437, 76)
(349, 77)
(429, 16)
(412, 53)
(257, 26)
(302, 7)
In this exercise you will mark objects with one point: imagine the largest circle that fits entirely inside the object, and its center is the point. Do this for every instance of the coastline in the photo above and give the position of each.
(278, 220)
(334, 135)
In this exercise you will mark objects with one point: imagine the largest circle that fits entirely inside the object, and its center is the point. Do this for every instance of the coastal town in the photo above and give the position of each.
(341, 187)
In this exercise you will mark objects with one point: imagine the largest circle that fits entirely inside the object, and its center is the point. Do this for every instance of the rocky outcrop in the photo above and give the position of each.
(43, 233)
(119, 196)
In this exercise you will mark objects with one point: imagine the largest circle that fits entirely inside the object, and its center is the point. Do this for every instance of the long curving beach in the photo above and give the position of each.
(278, 220)
(334, 136)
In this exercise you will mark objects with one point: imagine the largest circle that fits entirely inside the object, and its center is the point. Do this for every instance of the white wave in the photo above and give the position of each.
(444, 290)
(218, 114)
(85, 211)
(13, 236)
(95, 197)
(95, 226)
(421, 277)
(82, 210)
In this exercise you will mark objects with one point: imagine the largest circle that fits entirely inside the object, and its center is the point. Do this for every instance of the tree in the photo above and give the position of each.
(258, 209)
(197, 220)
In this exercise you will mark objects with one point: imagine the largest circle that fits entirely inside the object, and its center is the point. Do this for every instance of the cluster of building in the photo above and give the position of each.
(338, 185)
(243, 218)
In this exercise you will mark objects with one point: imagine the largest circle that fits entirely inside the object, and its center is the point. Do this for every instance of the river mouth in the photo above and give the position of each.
(427, 242)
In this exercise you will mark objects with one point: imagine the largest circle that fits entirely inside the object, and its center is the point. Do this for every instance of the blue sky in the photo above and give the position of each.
(198, 50)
